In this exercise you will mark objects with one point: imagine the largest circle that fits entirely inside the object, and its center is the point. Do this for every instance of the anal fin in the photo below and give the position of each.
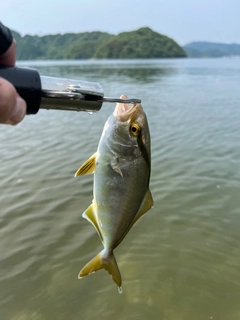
(90, 215)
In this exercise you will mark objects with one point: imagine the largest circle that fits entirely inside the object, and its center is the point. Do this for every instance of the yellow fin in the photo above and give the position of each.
(102, 260)
(88, 166)
(90, 215)
(146, 205)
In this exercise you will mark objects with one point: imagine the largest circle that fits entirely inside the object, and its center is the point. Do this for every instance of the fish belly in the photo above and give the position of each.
(118, 197)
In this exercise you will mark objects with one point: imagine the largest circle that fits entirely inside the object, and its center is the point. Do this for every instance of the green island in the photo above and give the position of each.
(143, 43)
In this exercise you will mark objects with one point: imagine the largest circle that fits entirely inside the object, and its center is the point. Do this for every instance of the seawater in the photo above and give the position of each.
(182, 259)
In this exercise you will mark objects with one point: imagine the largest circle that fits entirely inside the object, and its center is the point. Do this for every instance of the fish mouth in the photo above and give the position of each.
(123, 110)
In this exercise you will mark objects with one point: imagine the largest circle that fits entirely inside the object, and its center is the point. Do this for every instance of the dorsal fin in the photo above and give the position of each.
(146, 205)
(88, 166)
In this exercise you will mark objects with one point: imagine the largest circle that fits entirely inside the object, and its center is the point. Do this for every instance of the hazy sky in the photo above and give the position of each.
(182, 20)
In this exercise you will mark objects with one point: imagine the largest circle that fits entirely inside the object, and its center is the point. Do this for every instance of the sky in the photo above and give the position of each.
(184, 21)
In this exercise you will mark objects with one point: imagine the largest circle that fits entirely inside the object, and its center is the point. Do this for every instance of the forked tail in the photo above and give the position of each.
(106, 260)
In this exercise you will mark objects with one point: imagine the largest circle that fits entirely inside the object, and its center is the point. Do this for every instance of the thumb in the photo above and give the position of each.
(18, 111)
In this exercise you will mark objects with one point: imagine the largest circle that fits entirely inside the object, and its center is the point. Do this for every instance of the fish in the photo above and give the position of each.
(121, 167)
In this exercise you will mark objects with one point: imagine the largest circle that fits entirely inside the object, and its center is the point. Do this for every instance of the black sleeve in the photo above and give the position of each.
(6, 38)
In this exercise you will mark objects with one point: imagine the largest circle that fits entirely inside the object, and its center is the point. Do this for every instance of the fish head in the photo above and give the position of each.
(131, 129)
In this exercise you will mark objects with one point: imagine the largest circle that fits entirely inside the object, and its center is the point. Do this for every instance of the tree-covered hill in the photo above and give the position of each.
(66, 46)
(142, 43)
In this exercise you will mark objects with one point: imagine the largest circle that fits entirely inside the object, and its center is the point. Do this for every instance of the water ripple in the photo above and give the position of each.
(181, 259)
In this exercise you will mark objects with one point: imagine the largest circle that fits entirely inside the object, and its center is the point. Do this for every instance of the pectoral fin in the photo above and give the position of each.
(115, 166)
(90, 215)
(88, 166)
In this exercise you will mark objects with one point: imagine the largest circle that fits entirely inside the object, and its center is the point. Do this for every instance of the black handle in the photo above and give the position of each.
(27, 83)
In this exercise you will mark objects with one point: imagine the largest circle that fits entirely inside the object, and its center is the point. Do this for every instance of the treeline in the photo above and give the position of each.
(139, 44)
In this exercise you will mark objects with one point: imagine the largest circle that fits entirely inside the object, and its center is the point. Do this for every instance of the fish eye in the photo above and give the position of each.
(134, 129)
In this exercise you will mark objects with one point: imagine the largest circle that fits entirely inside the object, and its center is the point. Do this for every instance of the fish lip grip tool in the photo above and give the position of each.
(56, 93)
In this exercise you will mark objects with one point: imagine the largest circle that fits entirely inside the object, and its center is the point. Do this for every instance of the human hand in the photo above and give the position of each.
(12, 106)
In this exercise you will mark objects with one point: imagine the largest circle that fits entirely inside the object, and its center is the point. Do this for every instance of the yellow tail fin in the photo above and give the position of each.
(102, 260)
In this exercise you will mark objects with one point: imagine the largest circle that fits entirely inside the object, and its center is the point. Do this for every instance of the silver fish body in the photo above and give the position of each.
(121, 195)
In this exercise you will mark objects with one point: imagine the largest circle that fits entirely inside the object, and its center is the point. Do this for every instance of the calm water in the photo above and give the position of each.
(181, 261)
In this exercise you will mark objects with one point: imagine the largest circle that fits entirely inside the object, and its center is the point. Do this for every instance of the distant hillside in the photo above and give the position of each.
(66, 46)
(142, 43)
(211, 49)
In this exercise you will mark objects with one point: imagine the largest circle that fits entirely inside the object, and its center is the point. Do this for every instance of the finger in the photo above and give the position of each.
(9, 57)
(12, 106)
